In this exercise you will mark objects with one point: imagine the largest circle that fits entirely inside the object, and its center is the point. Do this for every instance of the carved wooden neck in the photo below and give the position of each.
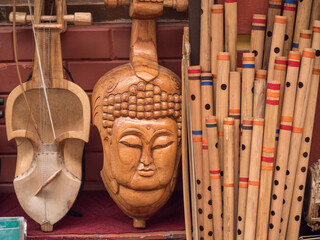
(143, 56)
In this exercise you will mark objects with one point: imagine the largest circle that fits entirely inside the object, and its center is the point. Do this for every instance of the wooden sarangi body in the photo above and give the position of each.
(50, 135)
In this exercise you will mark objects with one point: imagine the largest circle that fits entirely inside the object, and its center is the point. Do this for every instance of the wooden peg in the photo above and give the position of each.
(259, 95)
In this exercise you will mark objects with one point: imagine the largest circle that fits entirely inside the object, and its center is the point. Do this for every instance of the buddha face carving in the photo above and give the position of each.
(140, 128)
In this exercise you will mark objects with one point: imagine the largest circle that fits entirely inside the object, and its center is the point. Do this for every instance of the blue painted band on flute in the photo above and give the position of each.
(247, 65)
(206, 84)
(197, 132)
(290, 1)
(277, 130)
(295, 45)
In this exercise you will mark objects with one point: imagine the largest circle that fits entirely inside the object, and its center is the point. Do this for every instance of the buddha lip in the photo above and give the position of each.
(146, 172)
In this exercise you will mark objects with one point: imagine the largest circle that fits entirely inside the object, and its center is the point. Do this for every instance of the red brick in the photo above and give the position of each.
(92, 42)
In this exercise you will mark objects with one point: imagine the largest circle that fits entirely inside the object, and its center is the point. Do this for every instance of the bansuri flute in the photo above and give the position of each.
(231, 31)
(205, 37)
(259, 93)
(228, 182)
(222, 98)
(315, 15)
(267, 158)
(284, 143)
(279, 31)
(234, 112)
(305, 40)
(254, 177)
(301, 102)
(207, 110)
(280, 70)
(215, 178)
(216, 42)
(247, 85)
(302, 21)
(289, 11)
(274, 9)
(257, 38)
(301, 174)
(194, 73)
(244, 174)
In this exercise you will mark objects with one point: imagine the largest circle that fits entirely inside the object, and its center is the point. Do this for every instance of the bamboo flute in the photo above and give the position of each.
(228, 183)
(222, 98)
(257, 38)
(216, 43)
(247, 85)
(215, 177)
(301, 102)
(234, 112)
(194, 73)
(301, 174)
(284, 143)
(244, 174)
(207, 110)
(267, 158)
(230, 17)
(302, 21)
(280, 70)
(274, 9)
(289, 11)
(305, 40)
(185, 171)
(259, 93)
(205, 37)
(315, 14)
(254, 177)
(279, 31)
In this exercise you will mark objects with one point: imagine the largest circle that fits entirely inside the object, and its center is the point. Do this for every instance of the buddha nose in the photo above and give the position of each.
(146, 158)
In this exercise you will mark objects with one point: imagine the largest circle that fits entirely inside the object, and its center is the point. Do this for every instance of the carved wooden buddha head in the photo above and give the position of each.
(140, 128)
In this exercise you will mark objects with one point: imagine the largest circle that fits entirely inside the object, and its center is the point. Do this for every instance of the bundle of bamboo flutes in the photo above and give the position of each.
(251, 127)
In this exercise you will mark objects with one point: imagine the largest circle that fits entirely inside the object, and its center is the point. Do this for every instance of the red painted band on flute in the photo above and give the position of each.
(248, 59)
(214, 171)
(254, 183)
(290, 8)
(228, 122)
(273, 94)
(316, 71)
(279, 67)
(243, 179)
(284, 62)
(294, 55)
(272, 102)
(267, 149)
(211, 120)
(279, 19)
(230, 1)
(197, 139)
(223, 57)
(194, 71)
(261, 76)
(308, 54)
(286, 119)
(217, 10)
(205, 147)
(285, 127)
(267, 159)
(228, 184)
(243, 185)
(306, 35)
(261, 123)
(215, 177)
(297, 130)
(265, 167)
(247, 122)
(274, 86)
(293, 63)
(220, 133)
(316, 29)
(259, 20)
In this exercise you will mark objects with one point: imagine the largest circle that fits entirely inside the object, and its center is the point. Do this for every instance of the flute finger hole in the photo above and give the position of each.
(193, 97)
(276, 182)
(288, 84)
(288, 172)
(299, 199)
(307, 139)
(277, 50)
(223, 86)
(273, 213)
(271, 226)
(318, 53)
(239, 232)
(300, 85)
(210, 233)
(207, 107)
(255, 52)
(269, 34)
(277, 168)
(301, 187)
(285, 187)
(297, 218)
(286, 37)
(303, 169)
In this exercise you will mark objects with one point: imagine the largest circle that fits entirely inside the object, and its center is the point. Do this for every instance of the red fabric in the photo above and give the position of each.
(100, 216)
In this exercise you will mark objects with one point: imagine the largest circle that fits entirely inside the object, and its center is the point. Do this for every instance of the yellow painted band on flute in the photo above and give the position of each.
(306, 35)
(254, 183)
(247, 122)
(258, 123)
(244, 59)
(316, 71)
(234, 110)
(268, 149)
(273, 94)
(263, 76)
(316, 29)
(228, 122)
(286, 119)
(279, 67)
(197, 139)
(295, 56)
(223, 57)
(217, 10)
(243, 185)
(204, 141)
(280, 20)
(264, 167)
(215, 177)
(297, 130)
(211, 120)
(220, 133)
(308, 54)
(228, 185)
